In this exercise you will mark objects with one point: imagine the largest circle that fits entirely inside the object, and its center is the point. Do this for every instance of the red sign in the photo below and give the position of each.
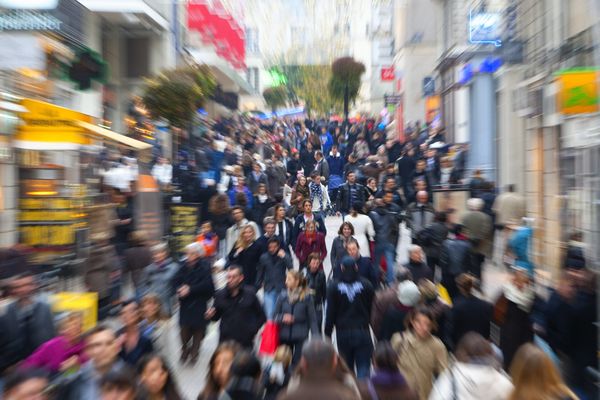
(387, 73)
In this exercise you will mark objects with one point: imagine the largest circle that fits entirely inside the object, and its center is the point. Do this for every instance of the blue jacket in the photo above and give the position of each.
(248, 194)
(336, 165)
(326, 142)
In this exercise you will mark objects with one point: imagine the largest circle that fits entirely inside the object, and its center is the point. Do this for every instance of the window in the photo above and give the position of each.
(252, 40)
(253, 78)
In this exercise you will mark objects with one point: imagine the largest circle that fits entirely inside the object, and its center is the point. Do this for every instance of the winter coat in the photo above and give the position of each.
(470, 314)
(300, 224)
(338, 251)
(247, 259)
(305, 246)
(419, 271)
(259, 211)
(159, 280)
(509, 208)
(254, 182)
(366, 269)
(272, 270)
(478, 228)
(317, 284)
(384, 299)
(386, 221)
(53, 353)
(420, 360)
(305, 319)
(343, 199)
(322, 168)
(241, 316)
(455, 258)
(516, 330)
(393, 321)
(437, 232)
(349, 302)
(277, 177)
(220, 223)
(419, 216)
(385, 385)
(336, 165)
(472, 382)
(192, 307)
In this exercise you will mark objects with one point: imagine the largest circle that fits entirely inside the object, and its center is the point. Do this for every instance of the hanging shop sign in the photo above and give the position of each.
(25, 20)
(184, 223)
(578, 91)
(485, 28)
(387, 74)
(29, 4)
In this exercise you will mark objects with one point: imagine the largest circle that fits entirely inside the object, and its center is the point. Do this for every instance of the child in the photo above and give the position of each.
(208, 239)
(315, 278)
(277, 375)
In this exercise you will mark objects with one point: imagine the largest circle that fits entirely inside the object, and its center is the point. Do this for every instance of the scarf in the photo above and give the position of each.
(294, 295)
(262, 197)
(316, 191)
(303, 190)
(522, 298)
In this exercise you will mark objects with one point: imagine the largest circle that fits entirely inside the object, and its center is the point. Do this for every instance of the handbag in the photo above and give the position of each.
(270, 339)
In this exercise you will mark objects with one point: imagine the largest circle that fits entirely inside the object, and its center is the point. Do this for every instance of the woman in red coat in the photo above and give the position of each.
(310, 241)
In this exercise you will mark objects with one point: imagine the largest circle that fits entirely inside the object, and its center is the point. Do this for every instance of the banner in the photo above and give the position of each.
(578, 91)
(185, 218)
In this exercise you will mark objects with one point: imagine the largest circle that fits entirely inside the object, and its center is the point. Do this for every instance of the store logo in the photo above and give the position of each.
(23, 20)
(485, 28)
(29, 4)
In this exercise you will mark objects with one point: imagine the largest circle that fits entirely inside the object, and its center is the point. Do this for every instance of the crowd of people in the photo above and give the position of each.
(422, 330)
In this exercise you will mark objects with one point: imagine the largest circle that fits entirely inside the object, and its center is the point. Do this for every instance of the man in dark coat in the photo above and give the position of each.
(386, 219)
(256, 178)
(194, 286)
(349, 302)
(239, 310)
(303, 218)
(366, 269)
(350, 193)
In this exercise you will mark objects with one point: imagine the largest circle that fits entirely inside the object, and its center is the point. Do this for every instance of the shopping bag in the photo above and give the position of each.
(270, 339)
(444, 294)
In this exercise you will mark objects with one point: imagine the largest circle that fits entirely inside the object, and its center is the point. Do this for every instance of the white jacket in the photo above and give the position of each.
(473, 382)
(163, 173)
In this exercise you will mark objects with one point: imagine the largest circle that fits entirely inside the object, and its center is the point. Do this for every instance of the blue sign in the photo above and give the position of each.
(466, 74)
(485, 28)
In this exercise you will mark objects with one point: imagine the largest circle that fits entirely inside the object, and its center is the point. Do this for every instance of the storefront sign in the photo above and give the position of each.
(29, 4)
(387, 74)
(432, 108)
(485, 28)
(578, 91)
(184, 223)
(21, 20)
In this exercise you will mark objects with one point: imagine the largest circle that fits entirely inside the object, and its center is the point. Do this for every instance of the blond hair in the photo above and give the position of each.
(240, 243)
(535, 377)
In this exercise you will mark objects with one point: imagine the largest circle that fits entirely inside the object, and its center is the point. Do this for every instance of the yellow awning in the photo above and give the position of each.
(113, 136)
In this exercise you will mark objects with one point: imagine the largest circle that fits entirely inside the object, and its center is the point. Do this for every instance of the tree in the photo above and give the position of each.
(176, 94)
(275, 96)
(311, 86)
(345, 81)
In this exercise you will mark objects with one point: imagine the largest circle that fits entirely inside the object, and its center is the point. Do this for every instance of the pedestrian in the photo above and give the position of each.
(162, 171)
(28, 320)
(134, 344)
(300, 193)
(350, 193)
(364, 231)
(239, 221)
(26, 385)
(137, 258)
(159, 276)
(433, 237)
(244, 382)
(321, 168)
(422, 356)
(283, 227)
(194, 287)
(155, 325)
(63, 352)
(366, 269)
(386, 217)
(386, 382)
(102, 349)
(475, 375)
(315, 278)
(478, 228)
(385, 298)
(295, 314)
(512, 314)
(219, 216)
(219, 370)
(102, 267)
(240, 188)
(246, 253)
(535, 377)
(469, 313)
(455, 259)
(268, 225)
(304, 218)
(417, 266)
(349, 302)
(239, 310)
(262, 202)
(273, 266)
(338, 247)
(394, 318)
(276, 176)
(319, 195)
(156, 380)
(318, 375)
(372, 189)
(310, 241)
(118, 385)
(477, 184)
(519, 243)
(256, 178)
(124, 223)
(420, 215)
(277, 375)
(440, 310)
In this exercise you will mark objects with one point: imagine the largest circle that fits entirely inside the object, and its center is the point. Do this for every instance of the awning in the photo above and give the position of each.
(113, 136)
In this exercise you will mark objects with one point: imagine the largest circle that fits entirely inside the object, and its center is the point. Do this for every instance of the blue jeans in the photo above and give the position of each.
(387, 250)
(356, 348)
(269, 300)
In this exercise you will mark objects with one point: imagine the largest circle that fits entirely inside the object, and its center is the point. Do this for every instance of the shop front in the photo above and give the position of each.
(59, 201)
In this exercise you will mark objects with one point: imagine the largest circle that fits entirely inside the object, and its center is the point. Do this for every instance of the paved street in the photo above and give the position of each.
(191, 378)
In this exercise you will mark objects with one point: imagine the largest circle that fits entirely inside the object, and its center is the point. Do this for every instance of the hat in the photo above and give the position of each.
(408, 293)
(348, 262)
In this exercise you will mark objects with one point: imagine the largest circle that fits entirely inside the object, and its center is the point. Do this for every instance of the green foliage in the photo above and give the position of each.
(176, 94)
(276, 96)
(310, 85)
(345, 72)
